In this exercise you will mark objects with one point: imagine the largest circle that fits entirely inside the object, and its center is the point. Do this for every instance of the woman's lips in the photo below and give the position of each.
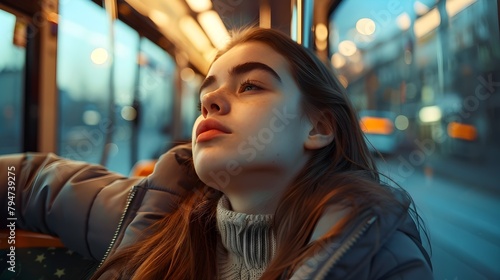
(209, 129)
(208, 135)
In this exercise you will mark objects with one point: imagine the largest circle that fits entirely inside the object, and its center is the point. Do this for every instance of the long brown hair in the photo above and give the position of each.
(184, 242)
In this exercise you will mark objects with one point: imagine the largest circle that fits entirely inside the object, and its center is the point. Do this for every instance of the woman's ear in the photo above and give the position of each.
(321, 133)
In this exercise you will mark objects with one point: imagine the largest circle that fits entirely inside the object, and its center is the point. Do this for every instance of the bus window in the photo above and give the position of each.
(155, 95)
(189, 101)
(142, 101)
(85, 93)
(430, 62)
(122, 146)
(12, 67)
(433, 65)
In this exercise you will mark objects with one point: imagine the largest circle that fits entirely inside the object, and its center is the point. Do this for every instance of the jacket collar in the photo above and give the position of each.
(355, 248)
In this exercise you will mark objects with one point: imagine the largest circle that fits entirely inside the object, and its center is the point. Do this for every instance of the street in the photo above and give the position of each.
(462, 221)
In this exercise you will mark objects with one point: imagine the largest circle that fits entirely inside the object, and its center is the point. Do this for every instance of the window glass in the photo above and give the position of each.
(141, 79)
(425, 78)
(191, 82)
(12, 66)
(155, 94)
(122, 146)
(91, 118)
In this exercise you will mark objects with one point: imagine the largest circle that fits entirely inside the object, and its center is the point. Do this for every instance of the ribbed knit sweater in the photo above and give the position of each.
(246, 243)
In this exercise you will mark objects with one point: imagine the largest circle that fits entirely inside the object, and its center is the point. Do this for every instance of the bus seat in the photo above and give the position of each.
(26, 239)
(30, 255)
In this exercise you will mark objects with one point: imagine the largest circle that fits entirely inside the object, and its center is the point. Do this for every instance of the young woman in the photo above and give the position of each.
(277, 183)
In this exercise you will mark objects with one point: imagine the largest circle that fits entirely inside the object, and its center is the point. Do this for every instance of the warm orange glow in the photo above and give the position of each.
(427, 23)
(462, 131)
(373, 125)
(29, 239)
(143, 168)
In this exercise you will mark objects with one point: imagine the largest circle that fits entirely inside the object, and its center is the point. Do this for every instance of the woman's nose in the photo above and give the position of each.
(214, 103)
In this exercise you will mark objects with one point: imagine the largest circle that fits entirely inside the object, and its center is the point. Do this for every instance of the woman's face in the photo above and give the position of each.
(251, 118)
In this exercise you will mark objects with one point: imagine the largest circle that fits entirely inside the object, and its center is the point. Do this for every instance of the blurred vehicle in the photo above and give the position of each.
(380, 131)
(462, 131)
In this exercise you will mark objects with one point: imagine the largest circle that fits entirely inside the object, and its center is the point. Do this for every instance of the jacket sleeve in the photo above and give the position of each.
(83, 204)
(401, 258)
(59, 197)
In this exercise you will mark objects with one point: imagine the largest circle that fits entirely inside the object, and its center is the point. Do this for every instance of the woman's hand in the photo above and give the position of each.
(175, 171)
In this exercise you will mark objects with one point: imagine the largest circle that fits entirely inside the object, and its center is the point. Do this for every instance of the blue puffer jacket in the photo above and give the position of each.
(96, 212)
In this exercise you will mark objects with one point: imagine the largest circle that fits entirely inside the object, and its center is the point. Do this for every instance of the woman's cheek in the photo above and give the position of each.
(195, 125)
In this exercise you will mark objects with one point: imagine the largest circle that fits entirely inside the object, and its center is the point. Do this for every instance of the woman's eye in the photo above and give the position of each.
(247, 86)
(199, 107)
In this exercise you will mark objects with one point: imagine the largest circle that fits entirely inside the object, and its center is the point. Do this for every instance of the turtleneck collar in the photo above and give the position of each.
(247, 239)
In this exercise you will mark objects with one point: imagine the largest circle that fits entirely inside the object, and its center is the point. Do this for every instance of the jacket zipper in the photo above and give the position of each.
(345, 246)
(130, 197)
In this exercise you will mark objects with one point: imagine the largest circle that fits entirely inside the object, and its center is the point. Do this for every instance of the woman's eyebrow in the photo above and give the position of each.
(207, 82)
(250, 66)
(242, 69)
